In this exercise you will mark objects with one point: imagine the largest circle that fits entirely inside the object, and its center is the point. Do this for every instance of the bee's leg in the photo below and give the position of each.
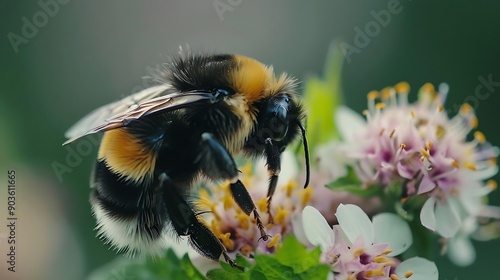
(186, 223)
(273, 157)
(217, 163)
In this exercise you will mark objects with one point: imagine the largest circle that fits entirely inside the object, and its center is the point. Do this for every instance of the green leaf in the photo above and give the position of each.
(350, 183)
(168, 267)
(322, 96)
(292, 261)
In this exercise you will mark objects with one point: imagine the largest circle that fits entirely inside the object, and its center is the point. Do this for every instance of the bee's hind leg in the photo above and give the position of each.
(186, 223)
(218, 164)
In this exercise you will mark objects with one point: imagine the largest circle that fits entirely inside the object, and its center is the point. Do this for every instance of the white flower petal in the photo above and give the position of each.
(354, 222)
(392, 229)
(422, 269)
(427, 216)
(447, 219)
(289, 168)
(340, 235)
(461, 251)
(298, 230)
(348, 122)
(316, 228)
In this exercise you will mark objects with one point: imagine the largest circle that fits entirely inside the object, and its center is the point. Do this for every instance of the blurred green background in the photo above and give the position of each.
(87, 53)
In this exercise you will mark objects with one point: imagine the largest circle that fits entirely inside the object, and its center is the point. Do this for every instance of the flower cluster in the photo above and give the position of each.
(418, 147)
(360, 249)
(238, 231)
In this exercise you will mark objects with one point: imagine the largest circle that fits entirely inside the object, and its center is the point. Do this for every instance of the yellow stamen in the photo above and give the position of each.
(412, 113)
(243, 219)
(440, 108)
(372, 95)
(473, 122)
(380, 105)
(358, 252)
(402, 146)
(455, 164)
(380, 259)
(428, 87)
(351, 276)
(392, 133)
(408, 274)
(428, 145)
(381, 132)
(471, 166)
(479, 136)
(274, 241)
(228, 243)
(387, 251)
(228, 201)
(365, 112)
(440, 132)
(375, 272)
(492, 184)
(306, 195)
(425, 153)
(290, 187)
(386, 93)
(492, 161)
(465, 108)
(402, 87)
(394, 277)
(280, 217)
(261, 204)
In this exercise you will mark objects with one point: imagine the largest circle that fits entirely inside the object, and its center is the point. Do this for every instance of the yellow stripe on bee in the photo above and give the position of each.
(250, 78)
(126, 156)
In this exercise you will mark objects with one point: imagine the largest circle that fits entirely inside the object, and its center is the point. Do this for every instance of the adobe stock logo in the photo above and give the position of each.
(39, 19)
(372, 29)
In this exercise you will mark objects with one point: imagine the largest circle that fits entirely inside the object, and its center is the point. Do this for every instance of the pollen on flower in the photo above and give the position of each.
(402, 87)
(471, 166)
(372, 95)
(380, 259)
(479, 136)
(281, 215)
(392, 133)
(420, 145)
(387, 251)
(274, 241)
(428, 87)
(394, 277)
(375, 272)
(238, 231)
(358, 253)
(492, 184)
(409, 274)
(425, 153)
(380, 105)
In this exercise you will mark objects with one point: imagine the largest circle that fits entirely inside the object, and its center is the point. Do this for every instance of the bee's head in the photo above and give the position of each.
(253, 105)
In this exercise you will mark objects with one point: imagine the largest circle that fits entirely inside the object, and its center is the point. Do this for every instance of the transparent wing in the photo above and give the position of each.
(120, 113)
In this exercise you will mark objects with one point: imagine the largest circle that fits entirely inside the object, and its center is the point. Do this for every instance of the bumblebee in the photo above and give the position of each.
(158, 143)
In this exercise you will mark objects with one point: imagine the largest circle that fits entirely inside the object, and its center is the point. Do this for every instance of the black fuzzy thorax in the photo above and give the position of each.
(201, 72)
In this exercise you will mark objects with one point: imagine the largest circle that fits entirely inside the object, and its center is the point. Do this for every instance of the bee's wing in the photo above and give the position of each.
(120, 113)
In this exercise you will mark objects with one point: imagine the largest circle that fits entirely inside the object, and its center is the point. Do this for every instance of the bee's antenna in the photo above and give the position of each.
(306, 154)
